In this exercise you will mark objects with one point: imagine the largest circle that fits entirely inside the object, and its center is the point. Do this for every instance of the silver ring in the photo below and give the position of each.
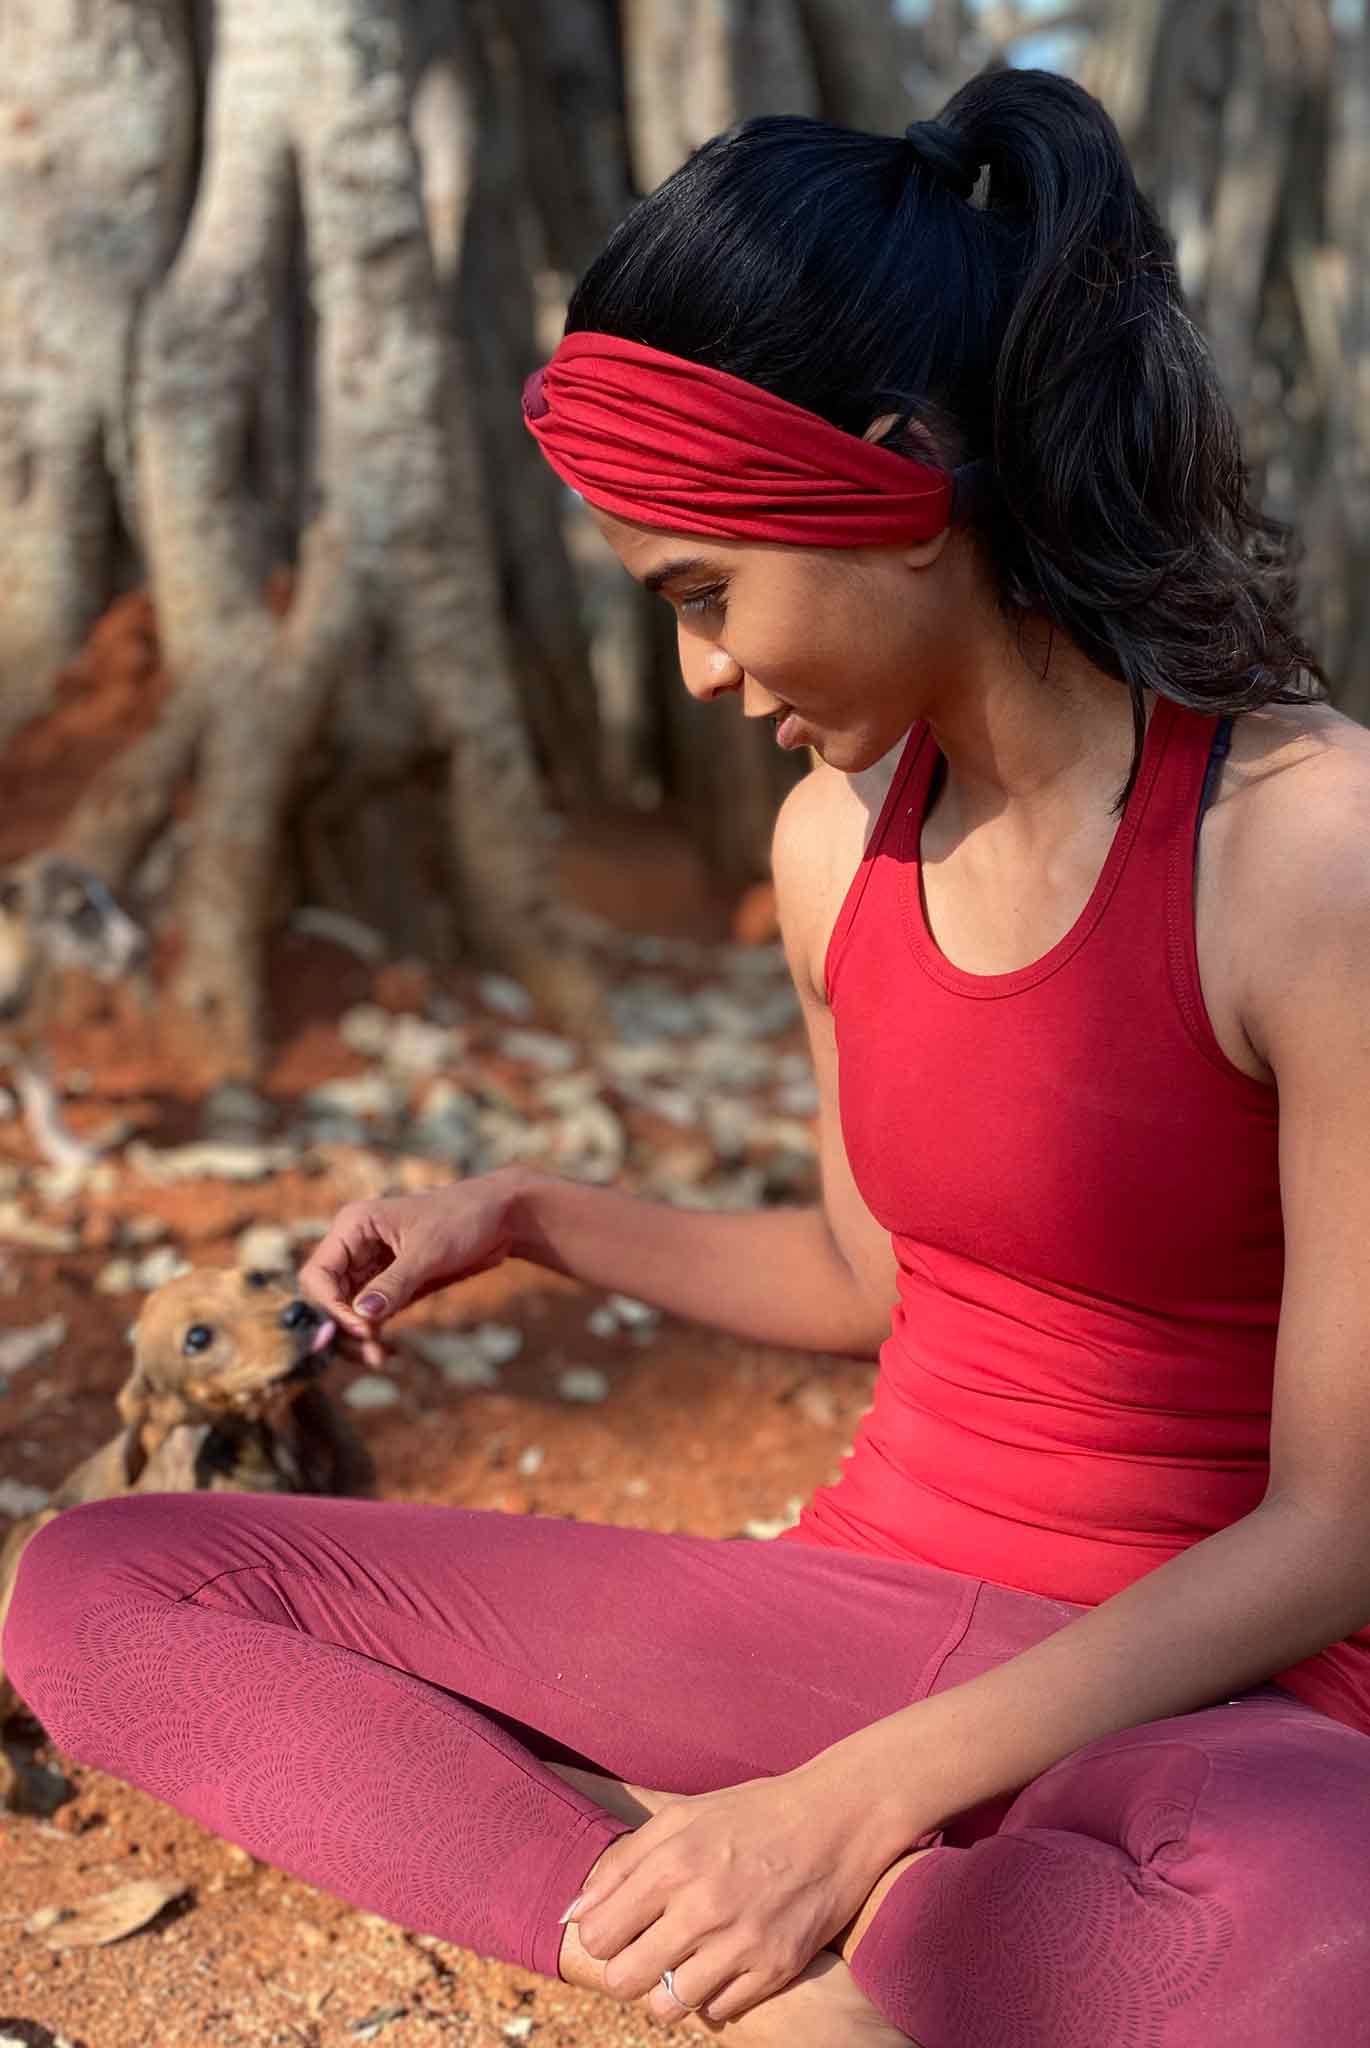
(668, 1979)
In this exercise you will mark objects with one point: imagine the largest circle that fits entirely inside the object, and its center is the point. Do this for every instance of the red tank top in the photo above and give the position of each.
(1082, 1192)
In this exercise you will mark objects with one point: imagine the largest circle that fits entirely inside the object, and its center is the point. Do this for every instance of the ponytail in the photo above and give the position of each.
(1034, 324)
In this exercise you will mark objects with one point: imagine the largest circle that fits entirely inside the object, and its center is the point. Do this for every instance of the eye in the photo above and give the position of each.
(702, 602)
(259, 1279)
(198, 1337)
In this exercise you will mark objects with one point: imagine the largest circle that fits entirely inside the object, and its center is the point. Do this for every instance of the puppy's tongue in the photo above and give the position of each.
(323, 1336)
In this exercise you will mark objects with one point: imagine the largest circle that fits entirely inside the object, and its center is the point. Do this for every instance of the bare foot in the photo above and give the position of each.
(820, 2008)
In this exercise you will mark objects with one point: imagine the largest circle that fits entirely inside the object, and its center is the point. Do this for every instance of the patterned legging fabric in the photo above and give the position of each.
(368, 1695)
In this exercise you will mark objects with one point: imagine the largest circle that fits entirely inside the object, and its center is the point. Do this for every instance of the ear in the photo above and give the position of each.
(134, 1399)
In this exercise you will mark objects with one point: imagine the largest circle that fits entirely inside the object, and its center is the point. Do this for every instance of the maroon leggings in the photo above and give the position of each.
(366, 1694)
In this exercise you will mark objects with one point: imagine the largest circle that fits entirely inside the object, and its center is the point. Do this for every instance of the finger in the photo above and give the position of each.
(745, 1989)
(696, 1988)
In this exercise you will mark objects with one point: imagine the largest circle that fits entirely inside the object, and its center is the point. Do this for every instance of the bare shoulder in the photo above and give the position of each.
(1295, 801)
(820, 834)
(1290, 851)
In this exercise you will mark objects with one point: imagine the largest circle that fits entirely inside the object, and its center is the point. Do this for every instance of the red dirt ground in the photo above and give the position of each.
(698, 1433)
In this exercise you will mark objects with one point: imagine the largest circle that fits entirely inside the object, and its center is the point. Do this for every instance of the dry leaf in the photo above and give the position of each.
(98, 1921)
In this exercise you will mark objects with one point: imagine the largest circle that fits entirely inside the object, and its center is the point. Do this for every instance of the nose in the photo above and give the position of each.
(708, 672)
(300, 1315)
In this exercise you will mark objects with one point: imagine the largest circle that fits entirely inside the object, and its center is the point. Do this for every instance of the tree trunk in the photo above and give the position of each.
(96, 120)
(318, 90)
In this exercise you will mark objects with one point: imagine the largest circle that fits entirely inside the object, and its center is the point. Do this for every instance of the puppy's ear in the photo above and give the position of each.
(134, 1399)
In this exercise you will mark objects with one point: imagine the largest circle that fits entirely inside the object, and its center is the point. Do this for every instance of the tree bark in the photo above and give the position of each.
(318, 90)
(96, 121)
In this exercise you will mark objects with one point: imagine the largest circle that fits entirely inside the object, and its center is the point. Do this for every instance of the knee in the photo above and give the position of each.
(72, 1571)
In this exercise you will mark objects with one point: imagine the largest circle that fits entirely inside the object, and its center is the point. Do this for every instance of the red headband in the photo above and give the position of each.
(668, 443)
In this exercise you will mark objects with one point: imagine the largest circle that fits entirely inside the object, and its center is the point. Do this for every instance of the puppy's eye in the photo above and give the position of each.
(259, 1279)
(198, 1337)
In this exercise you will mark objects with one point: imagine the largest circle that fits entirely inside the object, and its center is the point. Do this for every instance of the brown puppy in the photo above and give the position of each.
(54, 916)
(223, 1395)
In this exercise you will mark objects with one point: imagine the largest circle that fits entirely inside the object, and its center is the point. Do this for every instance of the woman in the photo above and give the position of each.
(1047, 1724)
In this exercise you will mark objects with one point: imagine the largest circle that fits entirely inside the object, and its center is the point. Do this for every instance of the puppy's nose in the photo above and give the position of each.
(301, 1315)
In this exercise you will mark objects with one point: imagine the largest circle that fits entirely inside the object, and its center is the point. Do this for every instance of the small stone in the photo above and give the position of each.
(18, 1227)
(582, 1383)
(497, 1342)
(143, 1229)
(671, 1104)
(158, 1266)
(210, 1160)
(18, 1498)
(530, 1461)
(637, 1315)
(817, 1404)
(517, 2030)
(234, 1111)
(340, 930)
(457, 1357)
(116, 1278)
(508, 998)
(637, 1489)
(265, 1248)
(725, 1062)
(413, 1046)
(602, 1322)
(359, 1095)
(592, 1143)
(365, 1028)
(22, 1348)
(371, 1391)
(539, 1049)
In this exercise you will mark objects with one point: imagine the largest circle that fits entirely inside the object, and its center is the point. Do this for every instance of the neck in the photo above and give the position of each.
(1032, 727)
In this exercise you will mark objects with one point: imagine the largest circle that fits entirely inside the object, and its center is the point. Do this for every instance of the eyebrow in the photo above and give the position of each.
(682, 566)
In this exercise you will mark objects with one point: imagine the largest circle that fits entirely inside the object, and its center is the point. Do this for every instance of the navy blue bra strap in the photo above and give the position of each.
(1217, 754)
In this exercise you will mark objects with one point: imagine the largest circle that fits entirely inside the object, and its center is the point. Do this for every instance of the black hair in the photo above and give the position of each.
(1037, 327)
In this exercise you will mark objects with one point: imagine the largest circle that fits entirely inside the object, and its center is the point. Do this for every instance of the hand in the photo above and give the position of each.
(736, 1891)
(383, 1254)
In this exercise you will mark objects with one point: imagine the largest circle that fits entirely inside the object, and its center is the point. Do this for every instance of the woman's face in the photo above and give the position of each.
(843, 647)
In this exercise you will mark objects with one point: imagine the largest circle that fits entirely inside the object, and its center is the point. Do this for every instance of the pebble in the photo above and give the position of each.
(582, 1383)
(141, 1276)
(265, 1248)
(210, 1159)
(637, 1489)
(530, 1461)
(508, 998)
(358, 1095)
(18, 1227)
(540, 1049)
(457, 1357)
(817, 1404)
(764, 1529)
(798, 1098)
(23, 1348)
(637, 1315)
(602, 1322)
(413, 1046)
(348, 932)
(591, 1142)
(365, 1028)
(371, 1391)
(234, 1111)
(17, 1498)
(517, 2030)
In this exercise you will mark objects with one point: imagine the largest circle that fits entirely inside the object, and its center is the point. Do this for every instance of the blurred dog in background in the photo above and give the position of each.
(55, 916)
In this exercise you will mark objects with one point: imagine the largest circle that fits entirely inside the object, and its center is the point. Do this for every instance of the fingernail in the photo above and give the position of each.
(370, 1305)
(571, 1910)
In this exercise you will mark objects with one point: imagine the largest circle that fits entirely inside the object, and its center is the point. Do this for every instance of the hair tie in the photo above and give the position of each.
(946, 152)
